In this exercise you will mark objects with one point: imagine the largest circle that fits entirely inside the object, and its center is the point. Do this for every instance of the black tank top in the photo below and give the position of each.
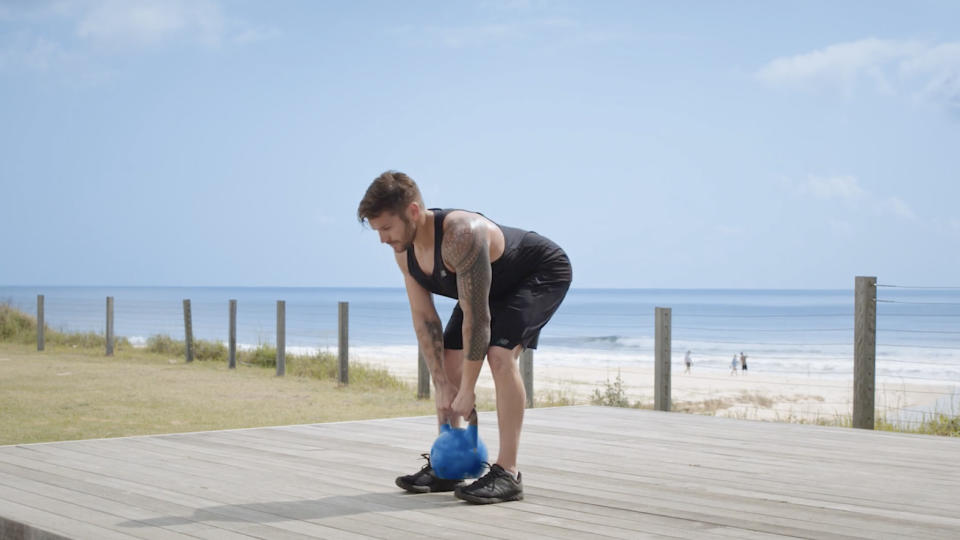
(525, 253)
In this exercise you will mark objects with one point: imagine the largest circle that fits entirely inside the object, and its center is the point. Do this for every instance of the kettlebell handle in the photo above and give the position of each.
(471, 418)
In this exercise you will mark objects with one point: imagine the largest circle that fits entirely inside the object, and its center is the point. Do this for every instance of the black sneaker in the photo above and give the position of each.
(426, 481)
(496, 486)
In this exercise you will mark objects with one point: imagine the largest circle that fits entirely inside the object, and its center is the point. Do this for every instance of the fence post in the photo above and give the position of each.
(232, 343)
(864, 351)
(526, 371)
(662, 338)
(188, 329)
(40, 323)
(109, 326)
(423, 376)
(281, 338)
(343, 374)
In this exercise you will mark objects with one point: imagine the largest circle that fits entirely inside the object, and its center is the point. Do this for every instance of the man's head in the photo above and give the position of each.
(392, 206)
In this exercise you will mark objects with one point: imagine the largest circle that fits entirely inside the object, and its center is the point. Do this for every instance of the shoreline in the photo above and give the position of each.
(755, 396)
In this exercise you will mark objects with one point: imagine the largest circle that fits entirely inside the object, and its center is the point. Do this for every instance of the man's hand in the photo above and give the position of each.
(445, 397)
(464, 402)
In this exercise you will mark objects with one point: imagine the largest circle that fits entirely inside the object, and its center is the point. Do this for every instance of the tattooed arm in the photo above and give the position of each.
(429, 330)
(466, 247)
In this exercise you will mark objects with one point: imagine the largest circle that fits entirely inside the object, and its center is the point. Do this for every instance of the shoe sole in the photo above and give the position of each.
(410, 488)
(486, 500)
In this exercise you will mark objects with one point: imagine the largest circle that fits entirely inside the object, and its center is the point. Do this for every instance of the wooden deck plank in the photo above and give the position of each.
(329, 509)
(589, 471)
(718, 508)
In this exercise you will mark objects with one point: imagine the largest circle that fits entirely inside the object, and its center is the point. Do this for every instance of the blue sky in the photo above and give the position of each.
(668, 144)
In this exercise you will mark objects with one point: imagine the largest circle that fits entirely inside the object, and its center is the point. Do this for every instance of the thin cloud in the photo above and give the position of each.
(833, 187)
(920, 70)
(847, 189)
(254, 35)
(96, 27)
(897, 207)
(151, 21)
(34, 52)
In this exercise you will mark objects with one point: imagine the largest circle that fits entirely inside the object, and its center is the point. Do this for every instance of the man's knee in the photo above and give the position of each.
(503, 360)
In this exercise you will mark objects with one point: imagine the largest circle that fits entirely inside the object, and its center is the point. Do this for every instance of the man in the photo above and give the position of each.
(508, 284)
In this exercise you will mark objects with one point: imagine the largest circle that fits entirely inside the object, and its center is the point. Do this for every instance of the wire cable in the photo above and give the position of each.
(767, 329)
(916, 346)
(918, 331)
(915, 287)
(918, 303)
(681, 314)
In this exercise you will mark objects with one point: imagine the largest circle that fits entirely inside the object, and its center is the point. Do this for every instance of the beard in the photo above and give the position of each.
(409, 233)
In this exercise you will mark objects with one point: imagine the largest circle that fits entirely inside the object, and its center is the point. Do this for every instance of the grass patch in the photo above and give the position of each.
(72, 391)
(710, 406)
(65, 393)
(19, 327)
(555, 398)
(322, 365)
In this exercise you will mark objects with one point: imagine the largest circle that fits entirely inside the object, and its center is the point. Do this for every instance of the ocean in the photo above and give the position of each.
(795, 332)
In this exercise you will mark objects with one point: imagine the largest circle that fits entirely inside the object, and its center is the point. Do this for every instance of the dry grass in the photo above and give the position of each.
(710, 406)
(73, 393)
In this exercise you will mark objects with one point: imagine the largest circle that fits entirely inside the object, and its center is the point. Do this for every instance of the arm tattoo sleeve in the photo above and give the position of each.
(430, 338)
(467, 249)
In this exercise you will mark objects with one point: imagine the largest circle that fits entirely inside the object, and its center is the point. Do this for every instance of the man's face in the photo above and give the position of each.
(394, 230)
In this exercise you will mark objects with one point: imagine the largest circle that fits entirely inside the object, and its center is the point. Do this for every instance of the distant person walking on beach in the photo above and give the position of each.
(734, 364)
(687, 362)
(743, 362)
(507, 282)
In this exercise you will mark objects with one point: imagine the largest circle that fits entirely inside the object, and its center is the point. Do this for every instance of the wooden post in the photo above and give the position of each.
(109, 326)
(526, 371)
(232, 343)
(661, 369)
(864, 351)
(281, 338)
(40, 323)
(423, 376)
(343, 374)
(188, 329)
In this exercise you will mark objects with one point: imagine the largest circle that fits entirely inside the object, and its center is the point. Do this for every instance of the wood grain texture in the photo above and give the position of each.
(588, 472)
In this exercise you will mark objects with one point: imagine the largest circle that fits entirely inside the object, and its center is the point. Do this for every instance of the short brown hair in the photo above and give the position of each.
(392, 191)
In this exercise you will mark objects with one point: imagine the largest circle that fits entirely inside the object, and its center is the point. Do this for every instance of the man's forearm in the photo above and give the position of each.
(476, 335)
(430, 338)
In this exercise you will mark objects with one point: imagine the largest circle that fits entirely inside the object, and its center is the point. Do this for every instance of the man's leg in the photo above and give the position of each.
(425, 480)
(511, 401)
(453, 367)
(502, 483)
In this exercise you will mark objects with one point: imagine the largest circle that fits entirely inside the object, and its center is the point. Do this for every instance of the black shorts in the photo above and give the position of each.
(515, 317)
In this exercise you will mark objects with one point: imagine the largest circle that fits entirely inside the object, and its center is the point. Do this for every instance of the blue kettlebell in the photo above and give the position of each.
(459, 453)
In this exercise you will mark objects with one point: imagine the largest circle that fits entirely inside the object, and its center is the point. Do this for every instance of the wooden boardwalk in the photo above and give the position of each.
(589, 472)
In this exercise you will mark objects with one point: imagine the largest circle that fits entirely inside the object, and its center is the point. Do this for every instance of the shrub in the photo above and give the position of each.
(613, 395)
(15, 325)
(164, 344)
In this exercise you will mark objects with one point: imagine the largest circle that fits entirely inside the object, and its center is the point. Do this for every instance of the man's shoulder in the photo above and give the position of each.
(456, 216)
(462, 223)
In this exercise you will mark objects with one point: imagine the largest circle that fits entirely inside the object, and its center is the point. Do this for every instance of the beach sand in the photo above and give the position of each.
(754, 396)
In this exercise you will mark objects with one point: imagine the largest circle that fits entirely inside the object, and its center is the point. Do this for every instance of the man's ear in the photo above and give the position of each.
(414, 211)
